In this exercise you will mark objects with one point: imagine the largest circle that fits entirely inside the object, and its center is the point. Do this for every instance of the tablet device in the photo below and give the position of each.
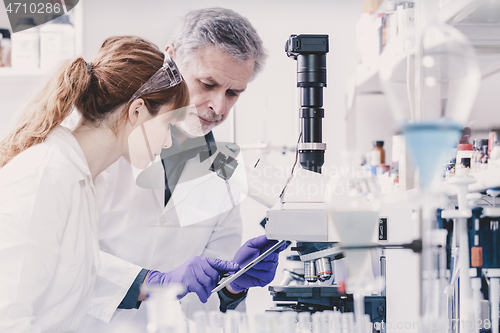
(227, 280)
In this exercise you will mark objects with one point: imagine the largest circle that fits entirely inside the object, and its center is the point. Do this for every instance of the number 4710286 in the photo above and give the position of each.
(34, 8)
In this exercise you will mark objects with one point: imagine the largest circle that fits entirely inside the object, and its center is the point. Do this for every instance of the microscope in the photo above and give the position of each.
(304, 218)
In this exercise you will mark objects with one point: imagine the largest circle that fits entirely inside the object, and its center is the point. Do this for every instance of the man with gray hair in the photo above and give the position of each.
(170, 235)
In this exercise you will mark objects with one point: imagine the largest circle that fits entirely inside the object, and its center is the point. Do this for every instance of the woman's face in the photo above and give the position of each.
(147, 140)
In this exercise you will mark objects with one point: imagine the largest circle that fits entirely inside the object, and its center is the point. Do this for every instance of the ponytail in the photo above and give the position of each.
(47, 109)
(122, 65)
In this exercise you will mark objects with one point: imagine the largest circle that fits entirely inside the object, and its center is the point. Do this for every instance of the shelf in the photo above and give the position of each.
(456, 10)
(479, 20)
(484, 180)
(367, 80)
(77, 20)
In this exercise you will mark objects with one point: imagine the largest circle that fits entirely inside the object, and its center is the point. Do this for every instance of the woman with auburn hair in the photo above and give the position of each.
(50, 182)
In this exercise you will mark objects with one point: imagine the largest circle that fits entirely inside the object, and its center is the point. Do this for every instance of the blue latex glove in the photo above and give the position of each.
(262, 273)
(198, 274)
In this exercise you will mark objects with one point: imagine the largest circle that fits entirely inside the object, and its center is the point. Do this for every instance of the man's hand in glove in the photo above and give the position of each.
(198, 274)
(263, 272)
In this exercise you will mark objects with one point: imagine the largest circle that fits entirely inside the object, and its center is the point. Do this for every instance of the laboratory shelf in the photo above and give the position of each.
(76, 15)
(367, 80)
(456, 10)
(486, 179)
(475, 19)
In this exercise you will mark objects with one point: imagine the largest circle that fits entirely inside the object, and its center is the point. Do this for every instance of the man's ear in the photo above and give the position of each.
(134, 111)
(171, 51)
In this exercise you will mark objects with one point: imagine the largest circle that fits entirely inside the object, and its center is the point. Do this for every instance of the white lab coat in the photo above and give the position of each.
(49, 251)
(136, 231)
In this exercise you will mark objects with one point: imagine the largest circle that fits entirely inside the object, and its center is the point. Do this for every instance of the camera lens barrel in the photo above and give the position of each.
(310, 53)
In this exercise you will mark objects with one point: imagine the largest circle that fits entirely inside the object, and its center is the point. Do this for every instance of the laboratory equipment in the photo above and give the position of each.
(307, 218)
(310, 53)
(484, 238)
(304, 219)
(431, 78)
(25, 45)
(484, 262)
(164, 310)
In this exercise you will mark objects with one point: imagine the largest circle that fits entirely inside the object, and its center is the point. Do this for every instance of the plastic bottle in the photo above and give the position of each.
(406, 17)
(26, 45)
(5, 48)
(475, 148)
(477, 154)
(450, 168)
(493, 137)
(57, 42)
(481, 153)
(464, 150)
(485, 158)
(494, 160)
(391, 20)
(464, 166)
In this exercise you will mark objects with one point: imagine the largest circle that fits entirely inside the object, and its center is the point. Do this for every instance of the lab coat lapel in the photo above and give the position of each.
(160, 195)
(187, 183)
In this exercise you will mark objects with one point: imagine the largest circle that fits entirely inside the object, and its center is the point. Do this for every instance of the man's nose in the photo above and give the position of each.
(218, 104)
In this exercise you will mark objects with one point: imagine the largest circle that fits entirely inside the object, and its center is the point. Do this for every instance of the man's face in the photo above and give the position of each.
(215, 81)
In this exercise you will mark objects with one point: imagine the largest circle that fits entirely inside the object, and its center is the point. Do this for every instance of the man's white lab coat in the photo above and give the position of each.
(136, 231)
(48, 236)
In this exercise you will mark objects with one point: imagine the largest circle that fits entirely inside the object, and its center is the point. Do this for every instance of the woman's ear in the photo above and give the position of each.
(136, 110)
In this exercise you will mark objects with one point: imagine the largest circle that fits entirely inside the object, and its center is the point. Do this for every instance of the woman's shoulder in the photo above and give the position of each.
(42, 160)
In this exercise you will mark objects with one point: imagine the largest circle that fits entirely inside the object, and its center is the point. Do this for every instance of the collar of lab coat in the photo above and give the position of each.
(204, 146)
(68, 144)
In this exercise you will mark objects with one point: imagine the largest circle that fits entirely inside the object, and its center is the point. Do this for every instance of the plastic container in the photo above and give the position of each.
(26, 45)
(5, 48)
(57, 42)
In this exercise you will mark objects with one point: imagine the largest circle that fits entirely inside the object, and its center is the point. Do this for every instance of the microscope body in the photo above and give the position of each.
(302, 214)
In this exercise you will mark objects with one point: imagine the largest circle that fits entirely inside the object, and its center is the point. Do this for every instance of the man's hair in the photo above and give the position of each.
(227, 30)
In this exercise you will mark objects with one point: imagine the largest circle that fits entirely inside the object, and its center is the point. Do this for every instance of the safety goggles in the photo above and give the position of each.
(167, 76)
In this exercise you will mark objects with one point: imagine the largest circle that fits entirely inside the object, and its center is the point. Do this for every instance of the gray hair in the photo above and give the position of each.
(227, 30)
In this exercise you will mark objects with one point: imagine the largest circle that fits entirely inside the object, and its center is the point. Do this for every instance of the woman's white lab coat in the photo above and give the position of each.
(49, 251)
